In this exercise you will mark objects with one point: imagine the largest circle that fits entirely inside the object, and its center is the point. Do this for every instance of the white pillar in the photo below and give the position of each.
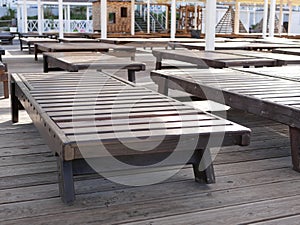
(254, 14)
(236, 29)
(40, 24)
(19, 18)
(61, 18)
(195, 16)
(173, 19)
(290, 16)
(141, 9)
(210, 30)
(148, 16)
(132, 17)
(280, 17)
(272, 18)
(265, 18)
(103, 18)
(167, 17)
(68, 18)
(25, 25)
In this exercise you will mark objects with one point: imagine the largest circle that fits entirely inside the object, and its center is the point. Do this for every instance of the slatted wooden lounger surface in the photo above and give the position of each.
(234, 46)
(290, 51)
(74, 111)
(271, 97)
(76, 40)
(75, 61)
(286, 72)
(30, 41)
(206, 59)
(282, 59)
(80, 47)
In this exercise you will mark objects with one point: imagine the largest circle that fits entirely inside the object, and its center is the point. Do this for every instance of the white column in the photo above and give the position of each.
(132, 17)
(103, 18)
(272, 18)
(141, 9)
(210, 30)
(236, 29)
(25, 25)
(265, 18)
(87, 29)
(68, 18)
(280, 18)
(61, 18)
(40, 24)
(19, 18)
(290, 16)
(148, 16)
(254, 14)
(173, 19)
(167, 17)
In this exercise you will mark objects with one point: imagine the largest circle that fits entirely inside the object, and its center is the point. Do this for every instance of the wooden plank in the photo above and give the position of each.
(236, 201)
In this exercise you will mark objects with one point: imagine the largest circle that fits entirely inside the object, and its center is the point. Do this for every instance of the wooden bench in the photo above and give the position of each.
(268, 96)
(4, 79)
(85, 116)
(79, 47)
(75, 61)
(205, 59)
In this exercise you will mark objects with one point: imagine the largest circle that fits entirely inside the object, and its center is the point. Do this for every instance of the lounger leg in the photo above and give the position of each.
(203, 167)
(45, 64)
(163, 86)
(158, 63)
(5, 89)
(131, 75)
(35, 53)
(14, 103)
(65, 181)
(295, 147)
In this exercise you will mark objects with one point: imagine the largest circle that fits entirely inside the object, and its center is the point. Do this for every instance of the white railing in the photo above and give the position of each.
(69, 25)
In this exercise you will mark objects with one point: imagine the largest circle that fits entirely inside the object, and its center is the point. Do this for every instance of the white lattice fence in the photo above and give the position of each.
(69, 25)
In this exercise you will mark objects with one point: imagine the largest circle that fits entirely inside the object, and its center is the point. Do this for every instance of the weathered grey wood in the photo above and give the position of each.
(284, 50)
(65, 181)
(74, 61)
(79, 47)
(295, 147)
(204, 59)
(65, 144)
(225, 88)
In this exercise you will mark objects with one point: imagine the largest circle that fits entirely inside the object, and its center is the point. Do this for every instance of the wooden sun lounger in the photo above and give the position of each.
(107, 117)
(79, 47)
(75, 61)
(282, 59)
(4, 79)
(77, 40)
(6, 38)
(234, 46)
(271, 97)
(29, 42)
(205, 59)
(286, 72)
(290, 51)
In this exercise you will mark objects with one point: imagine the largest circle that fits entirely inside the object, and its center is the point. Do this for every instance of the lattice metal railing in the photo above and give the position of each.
(69, 25)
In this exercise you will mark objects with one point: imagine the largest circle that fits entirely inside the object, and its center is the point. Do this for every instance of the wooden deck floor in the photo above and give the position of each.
(255, 184)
